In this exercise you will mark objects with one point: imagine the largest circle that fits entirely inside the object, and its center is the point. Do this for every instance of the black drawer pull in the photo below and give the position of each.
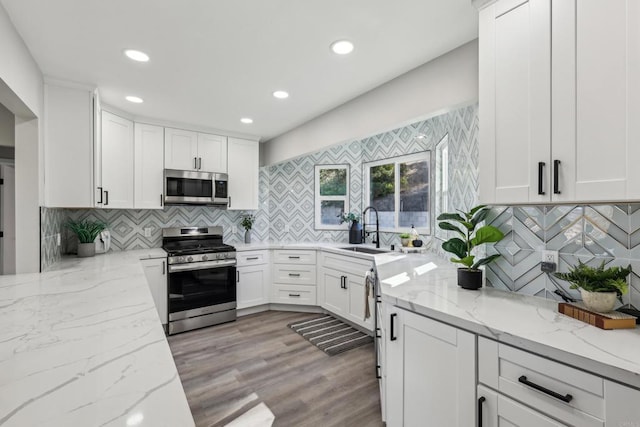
(556, 178)
(566, 398)
(253, 258)
(100, 201)
(294, 257)
(480, 402)
(393, 336)
(540, 175)
(294, 295)
(294, 274)
(378, 372)
(378, 333)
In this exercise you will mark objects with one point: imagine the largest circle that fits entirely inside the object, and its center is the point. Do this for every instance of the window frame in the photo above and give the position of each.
(318, 199)
(441, 182)
(366, 173)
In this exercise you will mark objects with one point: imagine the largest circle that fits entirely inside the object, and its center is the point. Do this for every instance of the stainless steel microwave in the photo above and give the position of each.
(195, 188)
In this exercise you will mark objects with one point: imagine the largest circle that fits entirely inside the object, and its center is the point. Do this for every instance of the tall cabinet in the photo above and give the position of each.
(559, 101)
(116, 161)
(243, 170)
(148, 166)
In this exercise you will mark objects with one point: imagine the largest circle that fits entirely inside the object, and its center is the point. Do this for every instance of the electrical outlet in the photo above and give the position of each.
(234, 229)
(58, 239)
(147, 231)
(286, 228)
(550, 256)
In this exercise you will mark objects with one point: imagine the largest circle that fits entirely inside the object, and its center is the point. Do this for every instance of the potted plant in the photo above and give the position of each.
(355, 230)
(598, 286)
(405, 239)
(247, 223)
(86, 231)
(469, 276)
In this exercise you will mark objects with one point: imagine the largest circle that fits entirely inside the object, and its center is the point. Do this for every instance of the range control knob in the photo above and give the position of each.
(189, 259)
(180, 259)
(204, 257)
(220, 256)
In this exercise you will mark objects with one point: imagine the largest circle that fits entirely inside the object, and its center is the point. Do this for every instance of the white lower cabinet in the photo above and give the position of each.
(496, 410)
(155, 270)
(253, 272)
(431, 372)
(294, 277)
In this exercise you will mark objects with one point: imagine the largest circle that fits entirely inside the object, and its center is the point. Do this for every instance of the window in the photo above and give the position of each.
(442, 183)
(399, 189)
(332, 196)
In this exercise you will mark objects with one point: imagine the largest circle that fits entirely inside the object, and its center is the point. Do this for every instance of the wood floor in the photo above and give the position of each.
(229, 369)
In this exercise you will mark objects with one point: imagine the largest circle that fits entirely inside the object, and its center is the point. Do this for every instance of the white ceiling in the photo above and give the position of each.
(213, 61)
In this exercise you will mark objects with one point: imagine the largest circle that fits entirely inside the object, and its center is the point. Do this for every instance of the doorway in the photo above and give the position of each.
(7, 218)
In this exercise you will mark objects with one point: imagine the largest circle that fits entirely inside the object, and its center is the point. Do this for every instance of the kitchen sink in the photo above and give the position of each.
(365, 250)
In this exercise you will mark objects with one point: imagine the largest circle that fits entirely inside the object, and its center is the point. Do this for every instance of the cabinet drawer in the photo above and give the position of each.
(542, 383)
(252, 258)
(286, 256)
(290, 294)
(346, 264)
(294, 274)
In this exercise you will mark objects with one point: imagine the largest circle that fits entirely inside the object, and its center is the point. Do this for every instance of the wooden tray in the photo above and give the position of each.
(611, 320)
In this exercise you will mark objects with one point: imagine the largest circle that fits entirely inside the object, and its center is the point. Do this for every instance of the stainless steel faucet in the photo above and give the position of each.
(364, 227)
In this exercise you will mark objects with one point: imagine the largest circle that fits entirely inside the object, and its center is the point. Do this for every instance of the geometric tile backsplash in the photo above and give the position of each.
(589, 233)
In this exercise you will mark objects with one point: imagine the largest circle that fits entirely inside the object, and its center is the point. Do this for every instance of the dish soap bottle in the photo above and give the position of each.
(414, 235)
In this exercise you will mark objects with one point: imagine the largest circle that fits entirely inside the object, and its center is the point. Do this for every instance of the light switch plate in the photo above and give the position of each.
(286, 228)
(234, 229)
(58, 239)
(147, 231)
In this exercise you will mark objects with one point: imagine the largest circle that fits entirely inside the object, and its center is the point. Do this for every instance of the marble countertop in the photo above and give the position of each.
(82, 345)
(427, 284)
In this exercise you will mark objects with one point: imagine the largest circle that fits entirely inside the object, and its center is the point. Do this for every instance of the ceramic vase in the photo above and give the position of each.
(247, 236)
(86, 249)
(469, 279)
(601, 302)
(355, 233)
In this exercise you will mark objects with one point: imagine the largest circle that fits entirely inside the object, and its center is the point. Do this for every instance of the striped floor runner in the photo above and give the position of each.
(330, 334)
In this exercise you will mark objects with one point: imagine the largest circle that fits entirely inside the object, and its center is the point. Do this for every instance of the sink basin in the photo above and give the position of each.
(365, 250)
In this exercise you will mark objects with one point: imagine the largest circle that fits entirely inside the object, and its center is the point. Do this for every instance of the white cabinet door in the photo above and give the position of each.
(156, 273)
(212, 153)
(68, 146)
(515, 101)
(243, 170)
(117, 161)
(148, 166)
(180, 149)
(335, 297)
(500, 411)
(596, 99)
(356, 309)
(618, 410)
(431, 372)
(252, 285)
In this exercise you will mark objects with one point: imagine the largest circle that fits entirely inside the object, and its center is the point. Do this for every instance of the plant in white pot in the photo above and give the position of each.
(599, 286)
(469, 276)
(86, 231)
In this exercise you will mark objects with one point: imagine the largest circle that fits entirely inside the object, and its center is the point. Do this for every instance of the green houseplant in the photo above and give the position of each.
(599, 286)
(465, 225)
(405, 238)
(355, 230)
(86, 231)
(247, 223)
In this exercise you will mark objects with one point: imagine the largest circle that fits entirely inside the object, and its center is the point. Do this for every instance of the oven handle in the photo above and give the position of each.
(201, 265)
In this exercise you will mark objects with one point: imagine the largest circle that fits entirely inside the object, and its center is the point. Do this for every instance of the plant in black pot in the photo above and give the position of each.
(86, 231)
(469, 276)
(355, 229)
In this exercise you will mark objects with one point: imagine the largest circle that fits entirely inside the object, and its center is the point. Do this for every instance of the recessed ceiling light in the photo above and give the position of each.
(136, 55)
(342, 47)
(280, 94)
(134, 99)
(246, 120)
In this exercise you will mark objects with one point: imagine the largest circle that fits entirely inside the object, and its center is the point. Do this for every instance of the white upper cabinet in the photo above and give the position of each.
(515, 101)
(212, 153)
(180, 149)
(148, 165)
(68, 146)
(187, 150)
(243, 170)
(559, 100)
(117, 161)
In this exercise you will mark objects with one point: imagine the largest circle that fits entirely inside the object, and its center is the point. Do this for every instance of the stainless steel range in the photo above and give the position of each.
(202, 278)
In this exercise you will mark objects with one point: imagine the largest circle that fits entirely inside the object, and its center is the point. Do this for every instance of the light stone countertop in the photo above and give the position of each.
(427, 284)
(82, 345)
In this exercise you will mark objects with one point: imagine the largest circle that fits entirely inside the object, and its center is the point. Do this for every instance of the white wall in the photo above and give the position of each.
(435, 87)
(22, 92)
(7, 127)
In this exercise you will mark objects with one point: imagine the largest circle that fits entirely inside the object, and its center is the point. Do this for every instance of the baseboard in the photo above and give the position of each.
(298, 308)
(252, 310)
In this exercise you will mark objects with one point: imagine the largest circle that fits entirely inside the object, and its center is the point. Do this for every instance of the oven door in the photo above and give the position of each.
(188, 187)
(196, 292)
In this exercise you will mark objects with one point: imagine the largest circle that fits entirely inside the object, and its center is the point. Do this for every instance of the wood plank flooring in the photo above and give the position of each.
(228, 369)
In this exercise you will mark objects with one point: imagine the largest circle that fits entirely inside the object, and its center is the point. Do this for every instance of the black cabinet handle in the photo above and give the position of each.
(393, 336)
(229, 201)
(100, 202)
(106, 197)
(237, 276)
(378, 372)
(294, 295)
(566, 398)
(480, 402)
(161, 201)
(541, 166)
(294, 274)
(195, 163)
(199, 163)
(378, 333)
(345, 282)
(164, 270)
(294, 257)
(253, 258)
(341, 282)
(556, 179)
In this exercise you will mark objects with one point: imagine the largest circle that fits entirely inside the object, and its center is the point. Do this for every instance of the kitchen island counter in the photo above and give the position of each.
(82, 345)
